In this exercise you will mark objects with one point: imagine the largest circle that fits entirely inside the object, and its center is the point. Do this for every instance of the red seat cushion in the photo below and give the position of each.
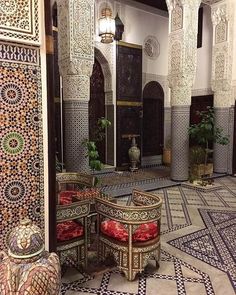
(68, 230)
(114, 229)
(145, 232)
(65, 197)
(117, 230)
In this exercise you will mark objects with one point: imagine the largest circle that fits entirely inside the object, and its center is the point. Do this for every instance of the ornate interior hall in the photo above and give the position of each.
(118, 139)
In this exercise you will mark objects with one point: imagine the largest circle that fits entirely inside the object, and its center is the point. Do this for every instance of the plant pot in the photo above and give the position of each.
(200, 170)
(166, 157)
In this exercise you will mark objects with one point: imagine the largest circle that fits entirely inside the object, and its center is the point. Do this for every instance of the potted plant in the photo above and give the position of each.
(204, 133)
(92, 153)
(166, 157)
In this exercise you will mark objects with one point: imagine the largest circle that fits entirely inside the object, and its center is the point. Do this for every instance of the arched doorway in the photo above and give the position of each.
(153, 119)
(97, 106)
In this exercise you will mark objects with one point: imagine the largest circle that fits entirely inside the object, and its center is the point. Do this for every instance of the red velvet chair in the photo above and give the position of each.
(131, 234)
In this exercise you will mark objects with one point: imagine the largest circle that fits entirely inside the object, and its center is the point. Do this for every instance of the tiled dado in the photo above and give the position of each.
(19, 21)
(21, 150)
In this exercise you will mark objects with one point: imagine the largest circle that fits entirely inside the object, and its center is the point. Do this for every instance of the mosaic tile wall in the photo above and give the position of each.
(21, 150)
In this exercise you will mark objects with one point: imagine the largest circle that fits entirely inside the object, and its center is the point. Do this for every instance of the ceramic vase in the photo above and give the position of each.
(27, 268)
(134, 155)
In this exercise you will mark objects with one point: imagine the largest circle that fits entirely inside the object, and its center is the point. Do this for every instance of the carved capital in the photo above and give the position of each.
(76, 87)
(172, 4)
(219, 14)
(76, 67)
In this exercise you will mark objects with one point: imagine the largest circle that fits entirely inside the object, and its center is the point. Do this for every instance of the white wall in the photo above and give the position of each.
(138, 25)
(204, 54)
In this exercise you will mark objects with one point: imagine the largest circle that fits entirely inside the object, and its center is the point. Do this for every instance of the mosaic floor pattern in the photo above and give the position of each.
(198, 249)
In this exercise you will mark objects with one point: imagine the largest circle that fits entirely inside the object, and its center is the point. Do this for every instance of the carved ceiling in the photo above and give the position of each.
(161, 4)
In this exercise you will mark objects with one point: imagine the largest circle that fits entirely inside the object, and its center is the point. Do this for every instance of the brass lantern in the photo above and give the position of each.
(107, 26)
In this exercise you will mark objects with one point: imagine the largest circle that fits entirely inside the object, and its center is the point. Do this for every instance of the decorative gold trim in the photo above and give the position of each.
(129, 103)
(131, 45)
(49, 44)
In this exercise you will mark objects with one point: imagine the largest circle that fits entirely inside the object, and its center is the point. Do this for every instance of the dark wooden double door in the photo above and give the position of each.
(137, 114)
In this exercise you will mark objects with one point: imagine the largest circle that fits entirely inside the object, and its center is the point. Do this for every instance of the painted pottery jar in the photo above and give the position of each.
(28, 268)
(134, 155)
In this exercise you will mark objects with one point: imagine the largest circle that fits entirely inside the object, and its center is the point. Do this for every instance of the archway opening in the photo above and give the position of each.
(153, 119)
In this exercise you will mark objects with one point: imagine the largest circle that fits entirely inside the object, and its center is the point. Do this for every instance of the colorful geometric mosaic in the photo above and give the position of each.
(20, 138)
(19, 20)
(215, 244)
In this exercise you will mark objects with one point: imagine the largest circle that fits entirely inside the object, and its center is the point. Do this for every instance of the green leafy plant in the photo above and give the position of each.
(91, 145)
(205, 132)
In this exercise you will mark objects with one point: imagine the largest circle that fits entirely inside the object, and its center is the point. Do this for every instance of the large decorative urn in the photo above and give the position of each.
(134, 155)
(28, 268)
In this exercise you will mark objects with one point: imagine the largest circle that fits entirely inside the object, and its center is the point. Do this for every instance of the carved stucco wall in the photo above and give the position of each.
(21, 135)
(222, 56)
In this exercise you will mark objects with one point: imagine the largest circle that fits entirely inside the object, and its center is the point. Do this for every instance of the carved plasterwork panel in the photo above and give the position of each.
(63, 29)
(223, 23)
(82, 30)
(76, 30)
(19, 21)
(219, 67)
(176, 58)
(177, 18)
(183, 49)
(151, 47)
(221, 32)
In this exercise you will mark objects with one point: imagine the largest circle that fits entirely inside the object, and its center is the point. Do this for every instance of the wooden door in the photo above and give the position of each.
(97, 106)
(129, 103)
(153, 119)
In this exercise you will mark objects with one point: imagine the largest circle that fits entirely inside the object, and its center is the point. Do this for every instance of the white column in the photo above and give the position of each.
(222, 59)
(183, 24)
(76, 58)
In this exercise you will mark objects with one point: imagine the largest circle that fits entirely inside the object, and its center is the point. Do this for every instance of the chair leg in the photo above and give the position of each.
(130, 276)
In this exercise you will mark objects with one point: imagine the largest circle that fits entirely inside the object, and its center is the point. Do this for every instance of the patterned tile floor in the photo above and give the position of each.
(198, 249)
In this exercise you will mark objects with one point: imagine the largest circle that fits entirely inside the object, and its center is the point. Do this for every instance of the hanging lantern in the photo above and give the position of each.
(106, 26)
(119, 28)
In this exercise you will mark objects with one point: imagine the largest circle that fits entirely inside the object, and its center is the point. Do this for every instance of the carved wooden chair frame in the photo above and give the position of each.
(74, 252)
(131, 257)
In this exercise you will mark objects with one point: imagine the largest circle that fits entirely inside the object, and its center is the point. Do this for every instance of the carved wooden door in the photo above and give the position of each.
(153, 119)
(129, 104)
(97, 105)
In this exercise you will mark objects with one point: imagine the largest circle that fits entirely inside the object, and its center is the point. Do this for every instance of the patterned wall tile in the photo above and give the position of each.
(221, 152)
(76, 131)
(21, 150)
(19, 21)
(180, 142)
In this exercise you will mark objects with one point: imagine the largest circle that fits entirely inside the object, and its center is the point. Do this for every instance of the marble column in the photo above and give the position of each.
(76, 58)
(183, 23)
(222, 19)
